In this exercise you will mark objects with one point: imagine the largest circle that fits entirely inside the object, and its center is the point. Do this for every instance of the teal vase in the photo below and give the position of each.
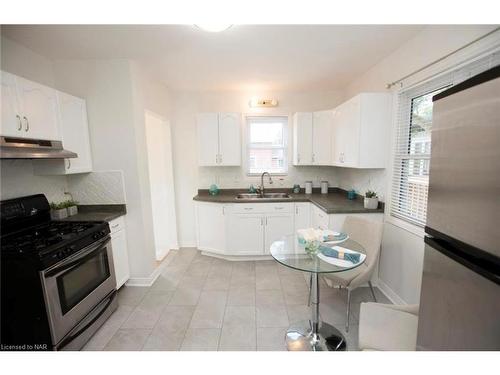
(213, 190)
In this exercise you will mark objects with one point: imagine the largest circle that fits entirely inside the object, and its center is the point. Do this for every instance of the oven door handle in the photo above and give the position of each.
(70, 338)
(82, 258)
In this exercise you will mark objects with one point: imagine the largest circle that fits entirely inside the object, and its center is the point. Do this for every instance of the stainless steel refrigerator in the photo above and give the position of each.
(460, 296)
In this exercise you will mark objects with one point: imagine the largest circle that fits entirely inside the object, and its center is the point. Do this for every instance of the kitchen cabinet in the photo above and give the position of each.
(120, 252)
(302, 138)
(302, 218)
(319, 218)
(245, 234)
(360, 131)
(210, 223)
(29, 109)
(11, 112)
(312, 138)
(75, 137)
(219, 139)
(275, 227)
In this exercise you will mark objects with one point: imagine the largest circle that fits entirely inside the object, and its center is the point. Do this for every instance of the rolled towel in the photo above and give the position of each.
(353, 257)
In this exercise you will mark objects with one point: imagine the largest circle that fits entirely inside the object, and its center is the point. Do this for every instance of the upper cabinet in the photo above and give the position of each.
(360, 132)
(219, 139)
(75, 137)
(29, 109)
(312, 138)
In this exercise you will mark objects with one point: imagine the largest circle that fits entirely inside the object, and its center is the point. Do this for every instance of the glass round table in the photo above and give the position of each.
(314, 334)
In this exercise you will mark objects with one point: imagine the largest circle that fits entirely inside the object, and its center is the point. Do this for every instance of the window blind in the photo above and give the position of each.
(412, 151)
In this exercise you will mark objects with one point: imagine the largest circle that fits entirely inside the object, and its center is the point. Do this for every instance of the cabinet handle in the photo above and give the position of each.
(220, 158)
(115, 226)
(248, 208)
(312, 158)
(216, 158)
(261, 221)
(27, 128)
(69, 164)
(266, 220)
(223, 210)
(298, 158)
(296, 210)
(278, 208)
(20, 126)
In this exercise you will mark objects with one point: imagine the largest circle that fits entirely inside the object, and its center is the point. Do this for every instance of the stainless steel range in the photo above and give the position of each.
(58, 282)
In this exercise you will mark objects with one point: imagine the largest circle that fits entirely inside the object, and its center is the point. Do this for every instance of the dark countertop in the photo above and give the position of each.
(335, 202)
(98, 212)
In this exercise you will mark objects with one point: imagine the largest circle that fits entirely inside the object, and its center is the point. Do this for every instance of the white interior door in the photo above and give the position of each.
(161, 183)
(40, 110)
(75, 133)
(208, 139)
(11, 114)
(322, 127)
(229, 139)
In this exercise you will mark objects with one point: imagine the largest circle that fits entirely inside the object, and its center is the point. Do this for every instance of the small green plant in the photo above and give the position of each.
(69, 203)
(57, 206)
(370, 194)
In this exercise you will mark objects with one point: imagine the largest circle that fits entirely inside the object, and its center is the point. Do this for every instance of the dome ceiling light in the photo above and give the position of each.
(213, 27)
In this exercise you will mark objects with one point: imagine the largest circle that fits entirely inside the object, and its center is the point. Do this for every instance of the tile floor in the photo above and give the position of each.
(204, 303)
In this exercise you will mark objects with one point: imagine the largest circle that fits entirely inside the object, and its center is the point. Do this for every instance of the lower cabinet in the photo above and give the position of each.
(245, 234)
(120, 253)
(247, 229)
(211, 226)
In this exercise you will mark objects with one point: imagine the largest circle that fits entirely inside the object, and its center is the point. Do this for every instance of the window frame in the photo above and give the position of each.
(284, 147)
(448, 77)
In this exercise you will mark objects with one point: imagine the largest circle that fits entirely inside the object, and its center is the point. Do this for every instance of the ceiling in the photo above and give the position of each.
(244, 57)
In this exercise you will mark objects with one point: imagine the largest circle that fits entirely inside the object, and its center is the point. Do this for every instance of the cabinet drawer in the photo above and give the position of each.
(117, 224)
(242, 208)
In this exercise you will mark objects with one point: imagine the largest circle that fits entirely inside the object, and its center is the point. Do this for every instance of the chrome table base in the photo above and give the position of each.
(314, 335)
(300, 337)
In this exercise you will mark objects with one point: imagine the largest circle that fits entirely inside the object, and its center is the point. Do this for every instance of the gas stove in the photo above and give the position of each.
(58, 282)
(43, 239)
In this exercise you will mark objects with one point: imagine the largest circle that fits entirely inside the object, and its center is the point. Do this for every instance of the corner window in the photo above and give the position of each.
(267, 144)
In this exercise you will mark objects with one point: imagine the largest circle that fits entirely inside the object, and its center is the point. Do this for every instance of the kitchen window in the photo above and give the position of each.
(267, 144)
(412, 154)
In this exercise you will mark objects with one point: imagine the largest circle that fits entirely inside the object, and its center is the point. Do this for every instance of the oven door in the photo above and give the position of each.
(76, 285)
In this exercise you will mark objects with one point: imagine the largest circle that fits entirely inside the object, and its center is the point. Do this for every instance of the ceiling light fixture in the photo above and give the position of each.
(213, 27)
(256, 103)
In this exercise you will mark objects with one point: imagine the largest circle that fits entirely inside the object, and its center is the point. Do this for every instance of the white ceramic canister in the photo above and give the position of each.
(309, 187)
(324, 187)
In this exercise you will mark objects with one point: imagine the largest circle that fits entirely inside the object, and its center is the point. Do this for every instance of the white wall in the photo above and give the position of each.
(189, 177)
(117, 141)
(400, 268)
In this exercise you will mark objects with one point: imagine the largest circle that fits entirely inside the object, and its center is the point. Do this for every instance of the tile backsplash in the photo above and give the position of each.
(105, 187)
(18, 180)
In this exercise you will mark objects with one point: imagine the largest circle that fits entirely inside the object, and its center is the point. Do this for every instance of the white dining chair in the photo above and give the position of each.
(367, 233)
(387, 327)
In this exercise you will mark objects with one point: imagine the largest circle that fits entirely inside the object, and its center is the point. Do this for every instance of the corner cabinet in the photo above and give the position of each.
(29, 109)
(219, 139)
(360, 131)
(312, 138)
(75, 137)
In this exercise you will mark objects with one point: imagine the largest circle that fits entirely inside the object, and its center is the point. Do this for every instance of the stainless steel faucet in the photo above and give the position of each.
(262, 183)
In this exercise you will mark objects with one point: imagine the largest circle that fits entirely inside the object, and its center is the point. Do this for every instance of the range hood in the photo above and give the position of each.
(22, 148)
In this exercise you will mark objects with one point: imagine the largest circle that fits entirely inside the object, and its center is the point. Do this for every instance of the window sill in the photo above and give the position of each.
(412, 228)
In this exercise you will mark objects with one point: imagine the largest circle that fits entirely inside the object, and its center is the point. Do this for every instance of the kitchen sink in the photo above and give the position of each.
(265, 196)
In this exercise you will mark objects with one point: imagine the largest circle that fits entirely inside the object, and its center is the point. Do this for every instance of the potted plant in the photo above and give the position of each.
(71, 206)
(58, 211)
(371, 200)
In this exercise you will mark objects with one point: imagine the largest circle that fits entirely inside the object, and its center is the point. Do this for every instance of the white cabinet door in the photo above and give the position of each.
(208, 139)
(40, 111)
(322, 128)
(11, 112)
(245, 234)
(350, 133)
(302, 138)
(120, 257)
(229, 139)
(302, 218)
(276, 227)
(75, 132)
(319, 218)
(211, 226)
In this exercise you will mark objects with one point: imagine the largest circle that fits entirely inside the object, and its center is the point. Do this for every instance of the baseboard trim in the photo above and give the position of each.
(389, 293)
(147, 281)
